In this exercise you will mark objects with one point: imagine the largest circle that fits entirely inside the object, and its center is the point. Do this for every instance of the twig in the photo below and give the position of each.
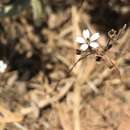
(8, 117)
(19, 126)
(76, 107)
(57, 97)
(64, 116)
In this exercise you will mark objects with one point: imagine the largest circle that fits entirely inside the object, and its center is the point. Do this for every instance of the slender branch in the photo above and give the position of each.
(70, 70)
(81, 58)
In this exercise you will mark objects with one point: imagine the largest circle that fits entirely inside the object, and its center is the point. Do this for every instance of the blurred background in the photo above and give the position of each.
(37, 44)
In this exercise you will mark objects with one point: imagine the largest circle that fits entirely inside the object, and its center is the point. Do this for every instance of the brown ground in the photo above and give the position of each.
(92, 97)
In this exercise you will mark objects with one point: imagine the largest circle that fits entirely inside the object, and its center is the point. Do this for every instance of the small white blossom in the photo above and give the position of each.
(87, 40)
(3, 66)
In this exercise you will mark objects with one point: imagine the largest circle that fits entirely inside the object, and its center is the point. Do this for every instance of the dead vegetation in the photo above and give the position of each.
(39, 55)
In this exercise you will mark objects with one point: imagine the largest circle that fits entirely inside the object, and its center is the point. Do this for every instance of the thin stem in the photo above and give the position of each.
(81, 58)
(70, 70)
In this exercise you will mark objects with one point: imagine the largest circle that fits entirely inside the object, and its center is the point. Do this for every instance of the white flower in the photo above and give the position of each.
(87, 41)
(3, 66)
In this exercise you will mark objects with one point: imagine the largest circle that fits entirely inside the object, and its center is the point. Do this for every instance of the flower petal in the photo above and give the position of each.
(84, 47)
(79, 39)
(94, 37)
(3, 66)
(94, 45)
(86, 33)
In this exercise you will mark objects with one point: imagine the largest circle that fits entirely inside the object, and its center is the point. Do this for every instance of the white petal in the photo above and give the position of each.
(3, 67)
(84, 47)
(86, 33)
(94, 44)
(79, 39)
(94, 37)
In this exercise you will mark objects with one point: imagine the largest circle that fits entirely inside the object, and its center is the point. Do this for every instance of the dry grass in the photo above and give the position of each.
(91, 97)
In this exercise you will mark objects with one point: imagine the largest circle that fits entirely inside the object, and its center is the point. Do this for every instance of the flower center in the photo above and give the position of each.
(88, 41)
